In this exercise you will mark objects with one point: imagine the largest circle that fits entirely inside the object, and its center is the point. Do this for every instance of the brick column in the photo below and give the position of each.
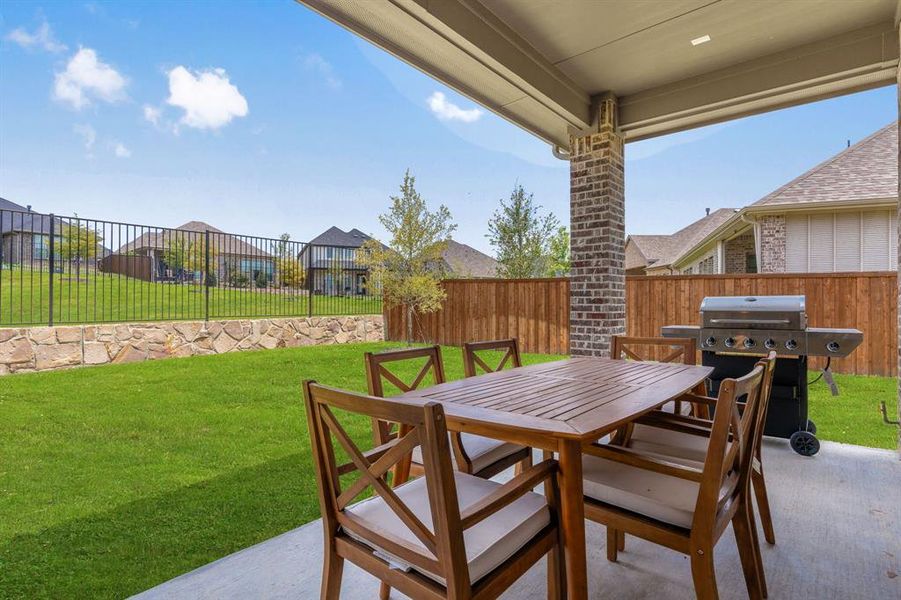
(597, 222)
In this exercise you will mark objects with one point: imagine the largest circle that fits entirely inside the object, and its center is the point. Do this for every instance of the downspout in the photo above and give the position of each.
(756, 227)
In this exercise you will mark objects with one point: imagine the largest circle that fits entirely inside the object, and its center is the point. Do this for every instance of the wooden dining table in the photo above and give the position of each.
(559, 407)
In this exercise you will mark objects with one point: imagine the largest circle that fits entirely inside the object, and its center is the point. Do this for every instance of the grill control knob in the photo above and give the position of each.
(749, 343)
(730, 342)
(833, 346)
(791, 344)
(710, 342)
(770, 343)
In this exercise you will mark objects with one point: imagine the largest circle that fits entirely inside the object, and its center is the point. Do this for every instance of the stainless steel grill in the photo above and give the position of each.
(735, 330)
(758, 324)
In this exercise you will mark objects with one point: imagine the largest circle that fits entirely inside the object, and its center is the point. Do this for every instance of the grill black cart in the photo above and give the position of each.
(736, 330)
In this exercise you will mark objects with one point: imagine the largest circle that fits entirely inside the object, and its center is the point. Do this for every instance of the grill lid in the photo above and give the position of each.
(754, 312)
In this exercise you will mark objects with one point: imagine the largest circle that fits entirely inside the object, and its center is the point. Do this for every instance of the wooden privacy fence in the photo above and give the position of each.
(537, 310)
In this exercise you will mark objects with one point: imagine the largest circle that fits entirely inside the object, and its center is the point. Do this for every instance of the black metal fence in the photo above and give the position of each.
(70, 270)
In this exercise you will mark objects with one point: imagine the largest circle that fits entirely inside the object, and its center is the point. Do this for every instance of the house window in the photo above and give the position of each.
(41, 247)
(750, 262)
(841, 241)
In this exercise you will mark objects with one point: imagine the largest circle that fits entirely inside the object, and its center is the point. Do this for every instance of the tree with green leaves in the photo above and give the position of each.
(558, 256)
(405, 268)
(77, 243)
(521, 236)
(193, 257)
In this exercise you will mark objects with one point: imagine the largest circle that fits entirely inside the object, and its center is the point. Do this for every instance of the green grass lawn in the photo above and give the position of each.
(90, 297)
(116, 478)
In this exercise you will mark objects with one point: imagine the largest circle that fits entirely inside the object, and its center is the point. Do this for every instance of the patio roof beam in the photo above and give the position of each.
(463, 45)
(851, 62)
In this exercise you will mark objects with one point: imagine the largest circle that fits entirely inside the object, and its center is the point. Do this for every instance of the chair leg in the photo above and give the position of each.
(556, 574)
(621, 541)
(612, 544)
(332, 570)
(702, 574)
(742, 525)
(763, 505)
(755, 545)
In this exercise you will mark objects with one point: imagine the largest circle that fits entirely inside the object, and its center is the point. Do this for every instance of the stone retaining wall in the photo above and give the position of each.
(46, 348)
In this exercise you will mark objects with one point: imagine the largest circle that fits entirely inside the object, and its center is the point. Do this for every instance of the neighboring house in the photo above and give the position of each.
(25, 238)
(839, 216)
(465, 261)
(331, 260)
(680, 252)
(235, 257)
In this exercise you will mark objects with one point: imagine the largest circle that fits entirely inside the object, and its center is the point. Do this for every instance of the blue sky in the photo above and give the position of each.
(261, 118)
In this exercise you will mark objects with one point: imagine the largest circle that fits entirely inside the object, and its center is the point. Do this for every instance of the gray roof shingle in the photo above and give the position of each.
(662, 250)
(868, 170)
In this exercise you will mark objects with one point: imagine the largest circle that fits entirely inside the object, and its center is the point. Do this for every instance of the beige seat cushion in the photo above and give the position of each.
(661, 497)
(482, 451)
(666, 442)
(488, 543)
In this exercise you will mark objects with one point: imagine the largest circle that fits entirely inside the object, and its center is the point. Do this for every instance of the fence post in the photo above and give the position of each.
(206, 275)
(52, 269)
(310, 249)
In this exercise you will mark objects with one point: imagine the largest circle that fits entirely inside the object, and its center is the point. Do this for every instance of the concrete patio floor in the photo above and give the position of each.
(838, 535)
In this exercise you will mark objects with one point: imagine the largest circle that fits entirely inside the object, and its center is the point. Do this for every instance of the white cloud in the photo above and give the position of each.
(88, 136)
(152, 114)
(209, 100)
(87, 77)
(315, 62)
(448, 111)
(120, 150)
(41, 38)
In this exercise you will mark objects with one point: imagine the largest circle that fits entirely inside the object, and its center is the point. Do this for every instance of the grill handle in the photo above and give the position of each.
(750, 322)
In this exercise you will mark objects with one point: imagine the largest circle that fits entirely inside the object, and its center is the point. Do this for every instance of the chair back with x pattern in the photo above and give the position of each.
(727, 468)
(377, 374)
(472, 361)
(420, 425)
(656, 349)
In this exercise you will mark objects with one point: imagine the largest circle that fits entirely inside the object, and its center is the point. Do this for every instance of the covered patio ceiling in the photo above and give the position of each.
(542, 64)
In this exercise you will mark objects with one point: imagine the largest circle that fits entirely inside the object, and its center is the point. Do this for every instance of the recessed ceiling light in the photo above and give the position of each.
(700, 40)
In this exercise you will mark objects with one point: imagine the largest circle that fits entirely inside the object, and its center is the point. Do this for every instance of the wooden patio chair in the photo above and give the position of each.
(686, 508)
(658, 349)
(444, 535)
(685, 440)
(474, 454)
(472, 363)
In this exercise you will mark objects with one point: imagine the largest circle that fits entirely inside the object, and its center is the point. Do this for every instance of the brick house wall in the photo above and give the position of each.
(737, 250)
(772, 244)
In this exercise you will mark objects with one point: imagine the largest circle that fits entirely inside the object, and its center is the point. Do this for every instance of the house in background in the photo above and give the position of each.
(25, 238)
(331, 261)
(24, 235)
(237, 260)
(684, 252)
(839, 216)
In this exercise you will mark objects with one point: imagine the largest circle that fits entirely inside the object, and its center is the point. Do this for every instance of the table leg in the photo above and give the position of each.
(572, 518)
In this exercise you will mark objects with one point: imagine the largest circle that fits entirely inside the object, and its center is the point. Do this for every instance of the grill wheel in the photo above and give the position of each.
(804, 443)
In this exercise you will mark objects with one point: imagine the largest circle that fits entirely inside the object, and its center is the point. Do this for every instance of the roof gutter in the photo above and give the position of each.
(559, 152)
(827, 205)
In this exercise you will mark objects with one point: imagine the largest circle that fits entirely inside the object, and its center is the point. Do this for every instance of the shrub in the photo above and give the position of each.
(261, 281)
